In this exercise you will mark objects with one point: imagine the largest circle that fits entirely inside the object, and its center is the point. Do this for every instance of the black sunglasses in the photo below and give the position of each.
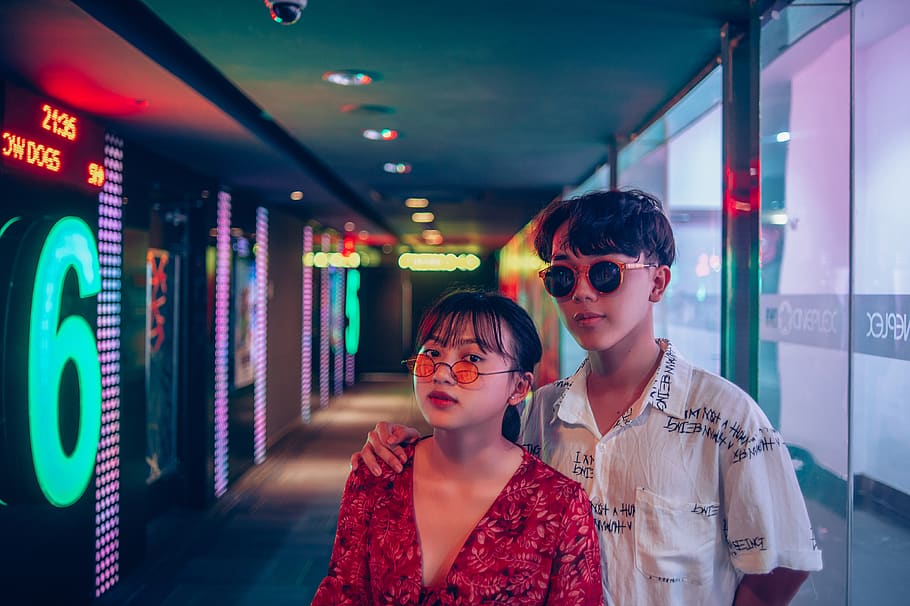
(605, 276)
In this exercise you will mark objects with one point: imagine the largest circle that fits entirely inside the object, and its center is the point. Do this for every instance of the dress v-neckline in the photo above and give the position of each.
(443, 580)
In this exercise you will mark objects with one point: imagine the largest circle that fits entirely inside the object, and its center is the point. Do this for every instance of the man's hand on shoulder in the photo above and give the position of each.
(384, 443)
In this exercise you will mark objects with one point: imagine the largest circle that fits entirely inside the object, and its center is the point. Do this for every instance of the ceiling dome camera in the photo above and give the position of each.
(285, 12)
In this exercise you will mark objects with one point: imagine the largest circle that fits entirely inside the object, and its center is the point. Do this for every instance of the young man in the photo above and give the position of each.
(693, 492)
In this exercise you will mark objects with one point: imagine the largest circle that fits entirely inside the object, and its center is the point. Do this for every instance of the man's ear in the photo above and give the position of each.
(522, 387)
(659, 283)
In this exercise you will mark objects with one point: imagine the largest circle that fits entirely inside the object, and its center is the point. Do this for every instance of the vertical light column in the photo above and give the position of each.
(259, 334)
(222, 311)
(107, 462)
(352, 313)
(306, 336)
(338, 322)
(325, 325)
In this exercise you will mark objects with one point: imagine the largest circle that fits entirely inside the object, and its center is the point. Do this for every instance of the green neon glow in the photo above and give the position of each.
(7, 224)
(63, 478)
(352, 312)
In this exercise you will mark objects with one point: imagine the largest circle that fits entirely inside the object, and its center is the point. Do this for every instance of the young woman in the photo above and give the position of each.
(473, 518)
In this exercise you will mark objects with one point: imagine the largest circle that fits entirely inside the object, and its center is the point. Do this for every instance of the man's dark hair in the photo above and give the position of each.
(629, 222)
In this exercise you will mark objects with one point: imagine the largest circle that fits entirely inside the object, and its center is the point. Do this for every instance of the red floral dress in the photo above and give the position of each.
(535, 545)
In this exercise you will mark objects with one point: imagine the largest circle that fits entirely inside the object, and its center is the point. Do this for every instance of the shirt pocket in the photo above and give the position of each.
(675, 541)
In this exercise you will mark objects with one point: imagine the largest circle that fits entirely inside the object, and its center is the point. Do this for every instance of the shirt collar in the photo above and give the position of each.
(667, 393)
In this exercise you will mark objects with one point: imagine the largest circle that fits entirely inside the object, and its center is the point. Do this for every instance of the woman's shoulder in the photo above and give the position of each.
(364, 479)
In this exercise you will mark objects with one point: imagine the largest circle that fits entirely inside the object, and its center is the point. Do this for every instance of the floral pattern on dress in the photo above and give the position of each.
(535, 545)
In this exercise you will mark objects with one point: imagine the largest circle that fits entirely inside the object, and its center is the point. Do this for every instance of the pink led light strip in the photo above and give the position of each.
(338, 328)
(222, 310)
(259, 334)
(306, 336)
(325, 326)
(107, 462)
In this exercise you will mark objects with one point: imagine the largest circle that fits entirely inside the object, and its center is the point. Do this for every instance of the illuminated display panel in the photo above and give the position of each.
(43, 139)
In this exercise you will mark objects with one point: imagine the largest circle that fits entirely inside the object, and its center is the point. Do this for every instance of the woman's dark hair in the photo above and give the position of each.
(630, 222)
(485, 313)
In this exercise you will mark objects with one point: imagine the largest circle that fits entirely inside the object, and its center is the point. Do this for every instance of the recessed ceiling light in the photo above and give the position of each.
(386, 134)
(350, 77)
(424, 217)
(297, 195)
(401, 168)
(416, 202)
(783, 136)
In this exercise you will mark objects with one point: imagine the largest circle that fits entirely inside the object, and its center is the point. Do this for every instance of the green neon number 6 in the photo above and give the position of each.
(352, 311)
(63, 478)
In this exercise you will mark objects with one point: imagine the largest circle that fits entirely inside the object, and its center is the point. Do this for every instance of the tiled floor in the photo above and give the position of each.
(267, 542)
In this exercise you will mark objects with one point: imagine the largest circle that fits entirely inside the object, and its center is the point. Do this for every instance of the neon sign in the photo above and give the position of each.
(61, 359)
(48, 141)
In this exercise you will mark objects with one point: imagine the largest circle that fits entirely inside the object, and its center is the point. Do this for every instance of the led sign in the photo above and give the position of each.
(50, 313)
(47, 141)
(438, 262)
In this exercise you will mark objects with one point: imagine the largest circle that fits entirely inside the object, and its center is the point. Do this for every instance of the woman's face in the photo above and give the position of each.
(448, 403)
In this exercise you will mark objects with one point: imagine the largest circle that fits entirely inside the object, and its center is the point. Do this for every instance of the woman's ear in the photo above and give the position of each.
(521, 388)
(659, 283)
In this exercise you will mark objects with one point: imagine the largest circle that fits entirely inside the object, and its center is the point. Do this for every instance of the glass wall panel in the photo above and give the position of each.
(804, 364)
(678, 159)
(881, 311)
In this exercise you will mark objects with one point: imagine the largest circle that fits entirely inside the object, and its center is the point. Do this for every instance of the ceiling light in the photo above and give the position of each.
(424, 217)
(401, 168)
(297, 195)
(386, 134)
(783, 136)
(416, 202)
(350, 77)
(433, 240)
(349, 226)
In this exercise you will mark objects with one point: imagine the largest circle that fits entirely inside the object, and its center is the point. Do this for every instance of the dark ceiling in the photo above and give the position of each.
(500, 105)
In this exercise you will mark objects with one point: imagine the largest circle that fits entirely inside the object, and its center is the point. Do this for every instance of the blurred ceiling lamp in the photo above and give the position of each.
(400, 168)
(385, 134)
(350, 77)
(433, 237)
(416, 202)
(296, 195)
(423, 217)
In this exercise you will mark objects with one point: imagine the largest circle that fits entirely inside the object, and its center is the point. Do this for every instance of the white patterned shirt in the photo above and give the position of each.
(691, 488)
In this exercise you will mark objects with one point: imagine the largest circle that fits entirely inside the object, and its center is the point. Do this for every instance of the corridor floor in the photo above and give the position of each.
(268, 540)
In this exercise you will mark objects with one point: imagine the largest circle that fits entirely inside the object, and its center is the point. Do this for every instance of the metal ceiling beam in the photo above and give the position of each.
(141, 27)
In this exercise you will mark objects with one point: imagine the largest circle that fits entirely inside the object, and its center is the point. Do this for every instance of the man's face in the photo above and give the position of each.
(598, 320)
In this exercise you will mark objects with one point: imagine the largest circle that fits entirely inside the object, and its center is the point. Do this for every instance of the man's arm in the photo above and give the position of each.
(776, 588)
(384, 444)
